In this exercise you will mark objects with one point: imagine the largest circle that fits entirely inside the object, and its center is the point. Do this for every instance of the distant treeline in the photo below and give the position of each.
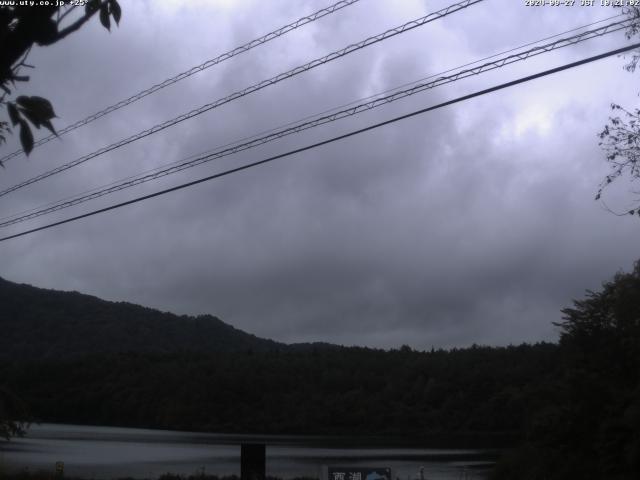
(46, 475)
(478, 395)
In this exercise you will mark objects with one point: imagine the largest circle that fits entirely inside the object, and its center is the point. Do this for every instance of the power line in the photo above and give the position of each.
(258, 86)
(331, 140)
(277, 134)
(460, 66)
(333, 109)
(192, 71)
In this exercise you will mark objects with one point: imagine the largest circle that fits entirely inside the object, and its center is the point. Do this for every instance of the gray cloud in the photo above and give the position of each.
(474, 223)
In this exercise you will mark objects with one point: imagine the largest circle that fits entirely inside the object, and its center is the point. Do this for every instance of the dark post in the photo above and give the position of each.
(252, 461)
(59, 475)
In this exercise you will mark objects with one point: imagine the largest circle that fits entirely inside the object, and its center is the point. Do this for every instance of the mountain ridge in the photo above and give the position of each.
(47, 323)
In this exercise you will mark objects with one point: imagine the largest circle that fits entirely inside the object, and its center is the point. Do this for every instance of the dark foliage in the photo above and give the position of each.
(589, 425)
(14, 417)
(620, 138)
(474, 396)
(22, 27)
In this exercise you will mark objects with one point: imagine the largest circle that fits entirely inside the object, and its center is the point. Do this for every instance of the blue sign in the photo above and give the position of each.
(359, 473)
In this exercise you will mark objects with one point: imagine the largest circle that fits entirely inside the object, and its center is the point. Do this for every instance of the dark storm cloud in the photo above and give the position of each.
(474, 223)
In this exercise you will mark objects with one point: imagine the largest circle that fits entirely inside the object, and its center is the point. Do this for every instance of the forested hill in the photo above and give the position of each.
(574, 406)
(40, 323)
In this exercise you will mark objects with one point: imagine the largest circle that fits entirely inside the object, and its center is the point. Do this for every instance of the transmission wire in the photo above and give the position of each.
(259, 86)
(192, 71)
(331, 140)
(204, 158)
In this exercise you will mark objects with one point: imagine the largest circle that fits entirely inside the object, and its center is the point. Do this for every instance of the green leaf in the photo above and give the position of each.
(14, 115)
(26, 137)
(43, 107)
(49, 126)
(31, 116)
(37, 109)
(116, 11)
(4, 127)
(104, 17)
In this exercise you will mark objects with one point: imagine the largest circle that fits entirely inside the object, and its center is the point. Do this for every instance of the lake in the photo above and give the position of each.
(108, 452)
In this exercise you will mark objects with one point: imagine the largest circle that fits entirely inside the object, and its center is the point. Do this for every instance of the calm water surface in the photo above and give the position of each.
(107, 452)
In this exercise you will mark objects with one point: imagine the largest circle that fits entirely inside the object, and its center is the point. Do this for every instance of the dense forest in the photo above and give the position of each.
(572, 409)
(338, 391)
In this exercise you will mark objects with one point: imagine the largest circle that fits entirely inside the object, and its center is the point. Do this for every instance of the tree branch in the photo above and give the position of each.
(61, 17)
(76, 25)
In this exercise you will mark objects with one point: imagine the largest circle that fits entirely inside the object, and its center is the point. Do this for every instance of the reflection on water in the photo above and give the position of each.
(106, 452)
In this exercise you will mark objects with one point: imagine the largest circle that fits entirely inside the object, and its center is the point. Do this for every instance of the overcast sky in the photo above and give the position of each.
(475, 223)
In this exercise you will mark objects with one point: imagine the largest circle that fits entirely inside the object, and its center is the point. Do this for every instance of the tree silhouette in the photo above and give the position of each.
(20, 28)
(14, 417)
(587, 425)
(620, 138)
(601, 336)
(612, 313)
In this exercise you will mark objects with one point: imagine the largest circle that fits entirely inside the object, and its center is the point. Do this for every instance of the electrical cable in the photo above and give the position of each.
(253, 88)
(377, 102)
(331, 140)
(192, 71)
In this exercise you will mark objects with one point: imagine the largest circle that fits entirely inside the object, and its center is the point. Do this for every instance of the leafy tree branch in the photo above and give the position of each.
(20, 28)
(620, 138)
